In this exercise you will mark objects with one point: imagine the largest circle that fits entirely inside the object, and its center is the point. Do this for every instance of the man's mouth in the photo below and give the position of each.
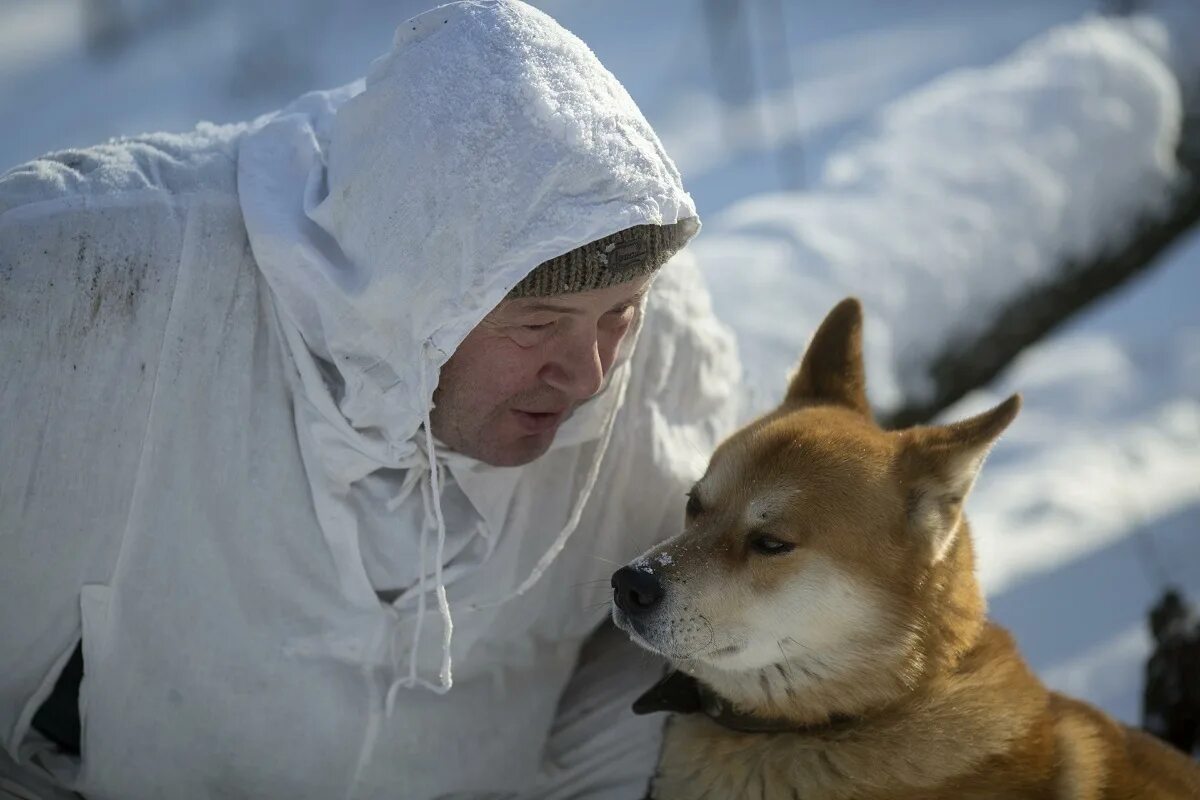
(538, 421)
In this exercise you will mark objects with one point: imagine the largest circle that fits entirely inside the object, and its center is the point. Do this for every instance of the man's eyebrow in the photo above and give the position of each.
(637, 298)
(551, 307)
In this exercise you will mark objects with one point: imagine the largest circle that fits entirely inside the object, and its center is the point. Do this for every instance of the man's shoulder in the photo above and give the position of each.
(201, 161)
(680, 321)
(686, 362)
(679, 292)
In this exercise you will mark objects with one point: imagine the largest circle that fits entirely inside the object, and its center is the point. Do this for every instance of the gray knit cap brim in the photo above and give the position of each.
(623, 256)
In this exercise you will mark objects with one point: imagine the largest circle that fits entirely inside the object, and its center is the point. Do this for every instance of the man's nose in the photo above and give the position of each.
(579, 371)
(636, 591)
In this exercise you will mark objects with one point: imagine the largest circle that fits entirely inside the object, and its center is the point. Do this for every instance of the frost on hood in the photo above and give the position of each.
(390, 215)
(488, 140)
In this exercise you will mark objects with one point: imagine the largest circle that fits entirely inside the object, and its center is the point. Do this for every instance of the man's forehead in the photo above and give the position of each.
(578, 302)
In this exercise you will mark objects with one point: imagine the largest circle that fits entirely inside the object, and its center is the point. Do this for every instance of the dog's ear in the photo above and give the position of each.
(831, 372)
(938, 467)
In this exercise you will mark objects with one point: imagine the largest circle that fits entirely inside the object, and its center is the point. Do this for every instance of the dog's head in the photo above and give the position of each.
(818, 550)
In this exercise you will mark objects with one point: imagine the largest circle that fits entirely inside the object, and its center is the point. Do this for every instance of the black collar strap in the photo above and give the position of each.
(680, 693)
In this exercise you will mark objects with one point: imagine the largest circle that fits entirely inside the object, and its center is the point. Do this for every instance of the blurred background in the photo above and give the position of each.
(1009, 185)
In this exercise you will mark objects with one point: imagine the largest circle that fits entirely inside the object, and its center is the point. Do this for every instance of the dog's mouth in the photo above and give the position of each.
(645, 635)
(658, 616)
(662, 641)
(632, 626)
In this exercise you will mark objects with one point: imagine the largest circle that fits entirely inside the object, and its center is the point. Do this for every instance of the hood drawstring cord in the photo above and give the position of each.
(446, 675)
(432, 495)
(560, 541)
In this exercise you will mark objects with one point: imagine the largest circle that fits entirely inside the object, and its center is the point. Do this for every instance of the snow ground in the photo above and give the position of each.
(1093, 497)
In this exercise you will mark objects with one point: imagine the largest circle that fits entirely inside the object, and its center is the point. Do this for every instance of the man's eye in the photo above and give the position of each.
(531, 335)
(769, 545)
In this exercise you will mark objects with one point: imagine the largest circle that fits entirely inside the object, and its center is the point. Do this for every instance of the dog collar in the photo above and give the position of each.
(680, 693)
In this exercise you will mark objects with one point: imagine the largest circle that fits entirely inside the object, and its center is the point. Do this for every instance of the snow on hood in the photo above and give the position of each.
(389, 217)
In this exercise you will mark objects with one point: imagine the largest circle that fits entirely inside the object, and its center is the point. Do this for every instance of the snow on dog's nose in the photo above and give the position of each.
(636, 591)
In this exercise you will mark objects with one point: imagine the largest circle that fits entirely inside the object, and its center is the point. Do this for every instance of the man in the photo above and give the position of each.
(321, 434)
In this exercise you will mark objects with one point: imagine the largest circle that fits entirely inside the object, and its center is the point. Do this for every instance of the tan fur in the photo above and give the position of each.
(873, 618)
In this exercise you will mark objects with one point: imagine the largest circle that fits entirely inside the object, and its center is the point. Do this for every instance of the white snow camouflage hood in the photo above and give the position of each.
(391, 215)
(488, 140)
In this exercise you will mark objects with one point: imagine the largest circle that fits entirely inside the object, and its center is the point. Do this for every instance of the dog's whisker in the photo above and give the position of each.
(594, 583)
(783, 653)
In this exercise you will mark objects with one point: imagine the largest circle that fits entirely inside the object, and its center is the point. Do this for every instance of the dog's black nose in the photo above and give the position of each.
(636, 591)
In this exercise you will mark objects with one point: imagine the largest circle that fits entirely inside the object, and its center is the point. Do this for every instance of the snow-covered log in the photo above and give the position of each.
(973, 361)
(983, 210)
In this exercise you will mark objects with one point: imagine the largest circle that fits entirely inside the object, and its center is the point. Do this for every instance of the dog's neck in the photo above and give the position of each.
(807, 690)
(951, 725)
(680, 693)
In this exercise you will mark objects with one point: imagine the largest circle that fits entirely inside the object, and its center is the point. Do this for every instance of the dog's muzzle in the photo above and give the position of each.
(636, 591)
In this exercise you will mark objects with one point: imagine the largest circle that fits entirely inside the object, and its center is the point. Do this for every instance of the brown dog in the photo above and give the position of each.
(822, 610)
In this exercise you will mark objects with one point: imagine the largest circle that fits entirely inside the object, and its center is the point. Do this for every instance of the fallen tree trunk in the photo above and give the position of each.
(969, 364)
(981, 211)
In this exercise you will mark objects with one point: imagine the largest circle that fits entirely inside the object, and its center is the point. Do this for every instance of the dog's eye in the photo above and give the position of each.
(693, 505)
(770, 546)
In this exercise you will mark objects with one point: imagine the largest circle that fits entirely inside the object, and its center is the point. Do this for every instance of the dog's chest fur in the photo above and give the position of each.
(974, 723)
(989, 731)
(699, 761)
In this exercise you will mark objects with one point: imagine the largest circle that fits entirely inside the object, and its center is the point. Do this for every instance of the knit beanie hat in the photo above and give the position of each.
(620, 257)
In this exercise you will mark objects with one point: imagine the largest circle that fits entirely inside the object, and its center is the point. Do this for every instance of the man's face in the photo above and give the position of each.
(528, 364)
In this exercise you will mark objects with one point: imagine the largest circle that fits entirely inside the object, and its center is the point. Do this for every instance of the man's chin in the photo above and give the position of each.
(520, 450)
